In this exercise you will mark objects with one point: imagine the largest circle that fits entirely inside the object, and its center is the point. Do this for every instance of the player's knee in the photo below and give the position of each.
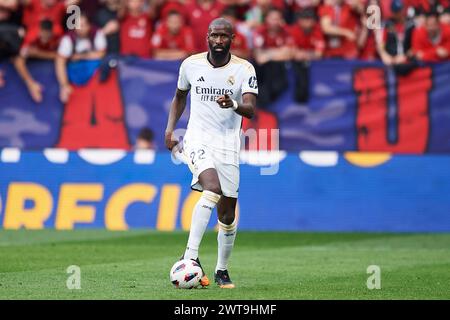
(227, 217)
(227, 222)
(211, 196)
(214, 188)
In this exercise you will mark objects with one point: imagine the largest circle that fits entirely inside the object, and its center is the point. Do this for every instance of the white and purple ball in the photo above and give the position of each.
(186, 274)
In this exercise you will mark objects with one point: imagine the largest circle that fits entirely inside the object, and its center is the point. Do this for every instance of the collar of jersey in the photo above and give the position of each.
(229, 61)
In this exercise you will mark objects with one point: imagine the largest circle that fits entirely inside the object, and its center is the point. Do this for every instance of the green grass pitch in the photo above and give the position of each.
(135, 265)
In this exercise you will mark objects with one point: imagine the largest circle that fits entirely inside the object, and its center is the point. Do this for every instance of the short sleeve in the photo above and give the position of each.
(65, 48)
(250, 83)
(183, 81)
(100, 41)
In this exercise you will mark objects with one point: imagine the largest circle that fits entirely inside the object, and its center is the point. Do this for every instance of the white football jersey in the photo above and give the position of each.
(209, 123)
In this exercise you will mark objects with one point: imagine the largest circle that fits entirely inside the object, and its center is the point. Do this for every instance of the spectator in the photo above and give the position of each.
(427, 6)
(431, 43)
(340, 24)
(240, 47)
(165, 7)
(36, 11)
(93, 114)
(395, 43)
(295, 6)
(145, 140)
(43, 47)
(308, 37)
(414, 12)
(78, 47)
(201, 13)
(273, 48)
(173, 40)
(11, 34)
(420, 8)
(107, 18)
(368, 35)
(272, 41)
(136, 29)
(309, 45)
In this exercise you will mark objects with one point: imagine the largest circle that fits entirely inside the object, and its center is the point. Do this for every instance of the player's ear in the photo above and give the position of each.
(232, 37)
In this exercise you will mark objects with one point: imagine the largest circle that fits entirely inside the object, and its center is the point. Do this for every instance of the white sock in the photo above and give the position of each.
(200, 220)
(225, 240)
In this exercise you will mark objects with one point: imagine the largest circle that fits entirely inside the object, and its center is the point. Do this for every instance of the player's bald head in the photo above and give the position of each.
(221, 23)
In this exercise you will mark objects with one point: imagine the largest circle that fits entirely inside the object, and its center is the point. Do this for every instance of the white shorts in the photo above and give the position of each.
(201, 157)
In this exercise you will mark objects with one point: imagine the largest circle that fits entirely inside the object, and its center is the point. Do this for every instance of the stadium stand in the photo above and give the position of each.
(288, 42)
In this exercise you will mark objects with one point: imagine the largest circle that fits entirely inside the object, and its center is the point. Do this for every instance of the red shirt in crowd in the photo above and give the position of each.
(36, 42)
(344, 17)
(199, 20)
(163, 39)
(421, 42)
(240, 42)
(369, 49)
(240, 46)
(265, 39)
(313, 40)
(35, 12)
(136, 35)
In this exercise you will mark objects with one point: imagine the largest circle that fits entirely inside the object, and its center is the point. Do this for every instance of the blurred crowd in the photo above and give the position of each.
(401, 33)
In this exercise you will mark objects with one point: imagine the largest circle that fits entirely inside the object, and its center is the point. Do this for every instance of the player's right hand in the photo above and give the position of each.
(170, 143)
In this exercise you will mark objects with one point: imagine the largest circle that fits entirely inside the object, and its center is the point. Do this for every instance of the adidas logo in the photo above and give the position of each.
(201, 79)
(229, 234)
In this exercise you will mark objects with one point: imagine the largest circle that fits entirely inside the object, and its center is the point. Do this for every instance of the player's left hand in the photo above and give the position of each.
(225, 101)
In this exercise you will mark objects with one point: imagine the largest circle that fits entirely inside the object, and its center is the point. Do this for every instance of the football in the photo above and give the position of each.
(186, 274)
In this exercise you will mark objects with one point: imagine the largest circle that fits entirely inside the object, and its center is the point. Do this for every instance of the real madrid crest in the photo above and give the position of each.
(231, 80)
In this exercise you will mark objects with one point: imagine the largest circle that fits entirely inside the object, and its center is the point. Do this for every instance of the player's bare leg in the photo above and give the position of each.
(209, 181)
(226, 209)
